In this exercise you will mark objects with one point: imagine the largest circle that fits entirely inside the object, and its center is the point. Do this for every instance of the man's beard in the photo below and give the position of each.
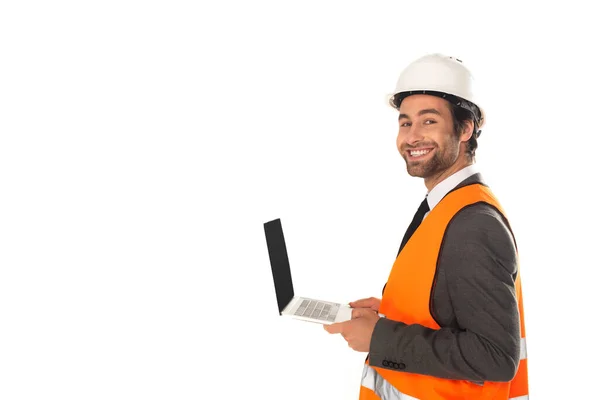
(441, 160)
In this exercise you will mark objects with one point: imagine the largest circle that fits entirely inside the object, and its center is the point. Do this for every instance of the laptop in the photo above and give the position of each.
(290, 305)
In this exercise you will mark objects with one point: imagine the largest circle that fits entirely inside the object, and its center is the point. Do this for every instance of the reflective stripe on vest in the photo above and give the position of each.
(523, 349)
(382, 388)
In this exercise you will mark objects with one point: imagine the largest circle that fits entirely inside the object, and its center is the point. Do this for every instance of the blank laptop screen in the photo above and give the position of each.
(280, 264)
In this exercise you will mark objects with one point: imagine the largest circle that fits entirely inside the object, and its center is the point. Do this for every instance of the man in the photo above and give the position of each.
(450, 322)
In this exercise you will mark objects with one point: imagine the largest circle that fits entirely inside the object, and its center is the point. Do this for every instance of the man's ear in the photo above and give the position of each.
(467, 132)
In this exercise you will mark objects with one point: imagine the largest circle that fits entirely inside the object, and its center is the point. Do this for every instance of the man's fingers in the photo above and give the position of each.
(370, 302)
(335, 328)
(361, 312)
(361, 303)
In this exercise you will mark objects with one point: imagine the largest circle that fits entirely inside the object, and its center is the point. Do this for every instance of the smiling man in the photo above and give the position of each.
(450, 323)
(429, 150)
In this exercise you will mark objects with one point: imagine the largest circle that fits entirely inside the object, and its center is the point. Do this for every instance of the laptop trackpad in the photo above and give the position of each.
(344, 314)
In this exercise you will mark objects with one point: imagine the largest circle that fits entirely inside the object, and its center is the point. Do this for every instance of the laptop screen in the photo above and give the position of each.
(280, 264)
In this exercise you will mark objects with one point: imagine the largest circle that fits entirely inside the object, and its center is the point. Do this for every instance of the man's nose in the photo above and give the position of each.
(414, 135)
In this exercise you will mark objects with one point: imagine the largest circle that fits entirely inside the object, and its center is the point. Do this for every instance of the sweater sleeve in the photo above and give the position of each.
(479, 262)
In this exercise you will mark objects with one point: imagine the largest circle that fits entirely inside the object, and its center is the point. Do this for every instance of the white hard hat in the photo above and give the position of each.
(439, 75)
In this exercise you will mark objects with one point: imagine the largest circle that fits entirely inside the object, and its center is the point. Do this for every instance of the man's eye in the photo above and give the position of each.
(404, 124)
(429, 122)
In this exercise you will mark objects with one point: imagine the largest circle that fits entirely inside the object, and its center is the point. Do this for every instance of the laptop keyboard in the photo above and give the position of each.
(318, 310)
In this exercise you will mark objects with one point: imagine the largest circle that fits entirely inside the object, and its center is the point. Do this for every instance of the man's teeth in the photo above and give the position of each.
(419, 153)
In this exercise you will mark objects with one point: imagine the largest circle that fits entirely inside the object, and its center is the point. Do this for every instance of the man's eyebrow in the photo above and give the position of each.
(422, 112)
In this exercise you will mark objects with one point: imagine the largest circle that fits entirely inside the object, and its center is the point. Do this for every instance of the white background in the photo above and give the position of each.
(144, 144)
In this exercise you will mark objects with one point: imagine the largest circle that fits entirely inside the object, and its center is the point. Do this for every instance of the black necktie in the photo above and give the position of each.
(423, 209)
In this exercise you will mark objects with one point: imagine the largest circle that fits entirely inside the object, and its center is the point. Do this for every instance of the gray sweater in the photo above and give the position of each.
(474, 303)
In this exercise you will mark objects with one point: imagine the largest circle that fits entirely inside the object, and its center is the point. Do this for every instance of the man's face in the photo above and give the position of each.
(426, 138)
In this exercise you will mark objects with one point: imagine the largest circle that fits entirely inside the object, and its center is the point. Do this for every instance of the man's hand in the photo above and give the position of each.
(358, 331)
(371, 303)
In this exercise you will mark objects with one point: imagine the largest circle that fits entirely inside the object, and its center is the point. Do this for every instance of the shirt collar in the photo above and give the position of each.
(441, 189)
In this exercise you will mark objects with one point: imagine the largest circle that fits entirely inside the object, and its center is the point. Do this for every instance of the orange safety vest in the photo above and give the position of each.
(406, 298)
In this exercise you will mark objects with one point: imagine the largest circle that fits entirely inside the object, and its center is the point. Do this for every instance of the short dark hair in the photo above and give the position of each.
(460, 117)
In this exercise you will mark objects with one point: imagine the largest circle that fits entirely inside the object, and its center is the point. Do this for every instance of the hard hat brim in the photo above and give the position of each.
(396, 99)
